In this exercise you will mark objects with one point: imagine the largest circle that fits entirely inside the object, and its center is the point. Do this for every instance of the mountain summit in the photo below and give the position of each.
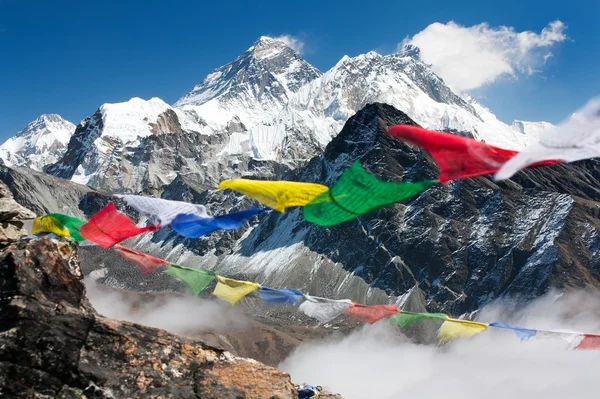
(259, 81)
(42, 141)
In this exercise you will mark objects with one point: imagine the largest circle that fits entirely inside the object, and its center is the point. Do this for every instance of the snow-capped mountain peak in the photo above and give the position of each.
(258, 82)
(43, 140)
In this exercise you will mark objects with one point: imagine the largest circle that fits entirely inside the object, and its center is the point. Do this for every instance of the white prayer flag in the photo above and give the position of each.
(163, 210)
(576, 139)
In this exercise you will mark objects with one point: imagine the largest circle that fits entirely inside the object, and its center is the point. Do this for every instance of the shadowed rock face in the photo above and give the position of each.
(54, 344)
(466, 242)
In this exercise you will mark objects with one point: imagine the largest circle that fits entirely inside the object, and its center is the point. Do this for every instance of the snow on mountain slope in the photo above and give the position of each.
(531, 129)
(404, 81)
(256, 84)
(41, 142)
(115, 133)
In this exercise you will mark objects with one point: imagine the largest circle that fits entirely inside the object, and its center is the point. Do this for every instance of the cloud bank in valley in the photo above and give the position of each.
(183, 315)
(375, 362)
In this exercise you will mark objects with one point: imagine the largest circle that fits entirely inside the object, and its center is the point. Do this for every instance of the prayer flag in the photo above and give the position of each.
(193, 226)
(109, 227)
(48, 224)
(163, 210)
(457, 157)
(356, 193)
(145, 262)
(232, 291)
(405, 319)
(279, 296)
(371, 314)
(455, 328)
(195, 279)
(576, 139)
(523, 333)
(590, 341)
(323, 309)
(72, 224)
(276, 194)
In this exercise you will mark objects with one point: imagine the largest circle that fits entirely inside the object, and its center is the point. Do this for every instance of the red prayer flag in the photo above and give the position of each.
(373, 313)
(109, 227)
(147, 263)
(590, 341)
(457, 157)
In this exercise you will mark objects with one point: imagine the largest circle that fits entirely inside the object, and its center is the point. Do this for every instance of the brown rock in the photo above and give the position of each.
(54, 344)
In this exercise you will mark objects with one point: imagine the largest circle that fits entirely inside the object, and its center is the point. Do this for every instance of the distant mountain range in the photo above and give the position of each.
(268, 104)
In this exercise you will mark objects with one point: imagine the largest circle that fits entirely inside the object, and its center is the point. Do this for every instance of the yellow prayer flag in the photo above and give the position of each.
(276, 194)
(48, 224)
(455, 328)
(232, 291)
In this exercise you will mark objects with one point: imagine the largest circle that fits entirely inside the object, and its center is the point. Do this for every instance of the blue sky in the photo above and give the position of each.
(70, 56)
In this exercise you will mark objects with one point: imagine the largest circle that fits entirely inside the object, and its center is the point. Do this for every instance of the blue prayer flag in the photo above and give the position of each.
(523, 333)
(194, 226)
(279, 296)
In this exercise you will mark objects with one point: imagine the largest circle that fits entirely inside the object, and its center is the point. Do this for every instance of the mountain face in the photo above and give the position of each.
(41, 142)
(113, 148)
(258, 82)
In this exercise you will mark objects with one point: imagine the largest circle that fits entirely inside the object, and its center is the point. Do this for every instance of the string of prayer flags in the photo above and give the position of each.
(456, 328)
(324, 309)
(589, 341)
(279, 296)
(193, 226)
(276, 194)
(163, 210)
(146, 263)
(59, 224)
(371, 313)
(232, 291)
(405, 319)
(195, 279)
(522, 333)
(356, 193)
(109, 227)
(576, 139)
(457, 157)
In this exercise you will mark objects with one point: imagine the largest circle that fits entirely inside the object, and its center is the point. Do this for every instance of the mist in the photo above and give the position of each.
(182, 315)
(377, 362)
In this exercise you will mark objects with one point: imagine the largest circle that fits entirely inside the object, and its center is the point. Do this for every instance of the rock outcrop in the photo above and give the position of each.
(54, 344)
(12, 216)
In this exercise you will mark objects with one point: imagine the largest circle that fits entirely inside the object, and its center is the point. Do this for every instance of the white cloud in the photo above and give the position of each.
(375, 362)
(171, 313)
(293, 42)
(470, 57)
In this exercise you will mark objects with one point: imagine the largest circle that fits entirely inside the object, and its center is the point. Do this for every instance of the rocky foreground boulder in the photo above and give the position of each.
(53, 344)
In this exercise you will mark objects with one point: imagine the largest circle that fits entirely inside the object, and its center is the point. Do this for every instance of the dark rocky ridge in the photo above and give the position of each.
(466, 242)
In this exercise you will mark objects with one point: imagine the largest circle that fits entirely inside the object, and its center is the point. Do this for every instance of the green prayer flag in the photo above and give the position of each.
(356, 193)
(72, 224)
(405, 319)
(195, 279)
